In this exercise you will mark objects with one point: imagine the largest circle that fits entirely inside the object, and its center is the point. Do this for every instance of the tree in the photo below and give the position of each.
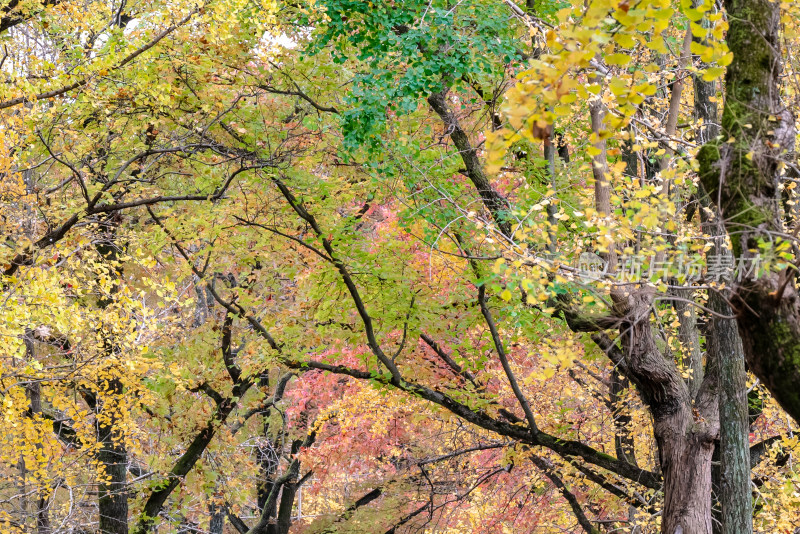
(301, 225)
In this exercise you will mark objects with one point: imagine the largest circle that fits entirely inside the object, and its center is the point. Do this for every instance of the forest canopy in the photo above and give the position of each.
(418, 266)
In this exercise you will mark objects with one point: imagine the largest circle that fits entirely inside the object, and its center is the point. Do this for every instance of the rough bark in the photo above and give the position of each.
(725, 346)
(684, 431)
(731, 473)
(113, 455)
(705, 112)
(113, 494)
(686, 463)
(216, 524)
(741, 173)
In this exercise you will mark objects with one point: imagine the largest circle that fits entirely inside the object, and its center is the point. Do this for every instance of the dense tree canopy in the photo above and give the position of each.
(411, 266)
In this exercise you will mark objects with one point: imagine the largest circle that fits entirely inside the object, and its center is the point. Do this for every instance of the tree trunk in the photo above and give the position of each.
(113, 499)
(685, 442)
(743, 175)
(731, 472)
(34, 391)
(725, 350)
(113, 456)
(725, 346)
(684, 430)
(284, 520)
(686, 467)
(216, 524)
(268, 457)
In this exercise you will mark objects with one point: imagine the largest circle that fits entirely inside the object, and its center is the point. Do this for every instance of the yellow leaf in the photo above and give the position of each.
(625, 40)
(713, 73)
(697, 48)
(692, 14)
(618, 59)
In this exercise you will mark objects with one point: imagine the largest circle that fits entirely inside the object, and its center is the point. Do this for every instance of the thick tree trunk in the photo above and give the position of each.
(743, 175)
(731, 475)
(684, 430)
(686, 467)
(685, 443)
(685, 433)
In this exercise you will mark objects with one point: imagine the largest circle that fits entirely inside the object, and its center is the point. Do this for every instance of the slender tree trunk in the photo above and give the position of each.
(496, 203)
(284, 486)
(268, 465)
(113, 456)
(726, 346)
(689, 337)
(216, 524)
(552, 209)
(113, 500)
(726, 351)
(284, 520)
(34, 391)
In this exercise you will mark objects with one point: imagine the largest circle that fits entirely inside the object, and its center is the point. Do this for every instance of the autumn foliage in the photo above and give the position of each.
(320, 267)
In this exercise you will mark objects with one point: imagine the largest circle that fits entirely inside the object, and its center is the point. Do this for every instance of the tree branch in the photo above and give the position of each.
(84, 81)
(501, 352)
